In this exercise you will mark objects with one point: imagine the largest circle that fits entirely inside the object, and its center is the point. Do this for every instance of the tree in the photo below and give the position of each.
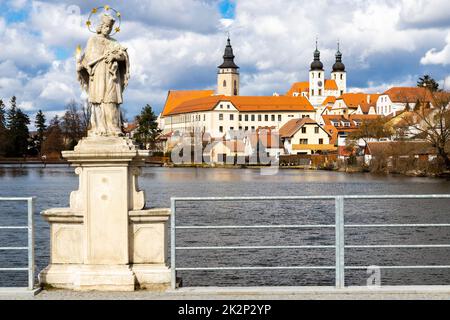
(3, 129)
(428, 82)
(73, 124)
(41, 128)
(18, 134)
(371, 129)
(147, 128)
(433, 125)
(53, 143)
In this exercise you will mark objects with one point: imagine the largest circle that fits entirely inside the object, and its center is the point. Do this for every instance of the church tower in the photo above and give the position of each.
(338, 74)
(316, 79)
(228, 74)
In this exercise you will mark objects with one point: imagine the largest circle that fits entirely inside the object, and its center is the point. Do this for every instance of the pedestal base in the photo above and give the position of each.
(152, 277)
(88, 277)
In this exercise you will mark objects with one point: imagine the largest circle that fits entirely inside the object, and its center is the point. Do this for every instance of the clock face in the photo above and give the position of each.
(319, 83)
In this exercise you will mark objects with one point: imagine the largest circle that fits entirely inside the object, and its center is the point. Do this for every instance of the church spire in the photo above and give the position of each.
(228, 57)
(338, 66)
(317, 64)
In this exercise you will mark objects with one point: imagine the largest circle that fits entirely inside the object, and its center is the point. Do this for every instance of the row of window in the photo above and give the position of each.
(305, 141)
(253, 117)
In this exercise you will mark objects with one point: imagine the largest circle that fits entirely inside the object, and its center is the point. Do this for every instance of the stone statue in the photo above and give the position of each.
(103, 71)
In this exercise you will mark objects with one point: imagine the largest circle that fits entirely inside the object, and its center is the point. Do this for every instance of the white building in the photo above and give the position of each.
(397, 99)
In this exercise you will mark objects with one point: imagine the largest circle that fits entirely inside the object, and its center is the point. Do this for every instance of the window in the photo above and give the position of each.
(266, 117)
(318, 75)
(240, 117)
(246, 128)
(246, 117)
(253, 117)
(342, 92)
(259, 117)
(320, 141)
(220, 116)
(272, 117)
(224, 83)
(253, 128)
(303, 141)
(312, 92)
(320, 92)
(279, 117)
(220, 128)
(204, 117)
(231, 128)
(342, 76)
(240, 127)
(316, 130)
(221, 106)
(231, 117)
(312, 75)
(303, 129)
(228, 106)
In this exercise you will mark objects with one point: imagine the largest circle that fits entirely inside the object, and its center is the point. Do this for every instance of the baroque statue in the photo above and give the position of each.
(103, 71)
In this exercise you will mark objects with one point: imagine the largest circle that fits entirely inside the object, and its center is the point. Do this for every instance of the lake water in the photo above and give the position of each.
(52, 186)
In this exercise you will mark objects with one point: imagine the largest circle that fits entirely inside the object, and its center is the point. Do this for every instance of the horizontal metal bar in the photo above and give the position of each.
(14, 227)
(400, 246)
(16, 198)
(287, 226)
(14, 269)
(13, 248)
(398, 267)
(257, 268)
(416, 225)
(255, 247)
(355, 197)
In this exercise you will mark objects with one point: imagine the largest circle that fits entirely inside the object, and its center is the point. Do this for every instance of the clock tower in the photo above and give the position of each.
(316, 80)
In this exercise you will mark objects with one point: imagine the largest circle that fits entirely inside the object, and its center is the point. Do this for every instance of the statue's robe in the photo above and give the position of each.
(104, 82)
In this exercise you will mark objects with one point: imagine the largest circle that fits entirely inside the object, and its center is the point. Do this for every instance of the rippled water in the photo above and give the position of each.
(52, 186)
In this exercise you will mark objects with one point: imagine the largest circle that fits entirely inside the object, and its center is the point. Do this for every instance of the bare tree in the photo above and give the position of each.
(431, 122)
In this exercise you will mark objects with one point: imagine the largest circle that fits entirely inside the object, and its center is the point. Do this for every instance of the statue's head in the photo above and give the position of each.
(106, 25)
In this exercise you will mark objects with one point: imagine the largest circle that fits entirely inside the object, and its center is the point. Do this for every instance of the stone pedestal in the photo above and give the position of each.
(106, 240)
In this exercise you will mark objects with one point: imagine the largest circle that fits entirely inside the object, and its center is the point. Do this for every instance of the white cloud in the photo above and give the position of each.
(434, 56)
(177, 44)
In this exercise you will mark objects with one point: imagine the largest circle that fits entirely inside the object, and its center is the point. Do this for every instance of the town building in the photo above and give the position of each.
(305, 136)
(397, 99)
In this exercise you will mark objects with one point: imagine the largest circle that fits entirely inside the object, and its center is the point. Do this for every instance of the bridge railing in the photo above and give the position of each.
(29, 248)
(339, 226)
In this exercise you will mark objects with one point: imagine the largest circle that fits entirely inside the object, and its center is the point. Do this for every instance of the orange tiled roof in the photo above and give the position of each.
(330, 128)
(329, 99)
(292, 126)
(298, 87)
(246, 103)
(176, 97)
(330, 85)
(363, 100)
(408, 94)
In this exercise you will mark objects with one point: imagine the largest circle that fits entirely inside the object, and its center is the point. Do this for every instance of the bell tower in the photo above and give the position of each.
(228, 74)
(316, 79)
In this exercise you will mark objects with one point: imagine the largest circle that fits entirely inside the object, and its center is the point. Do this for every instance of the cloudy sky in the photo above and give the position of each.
(177, 44)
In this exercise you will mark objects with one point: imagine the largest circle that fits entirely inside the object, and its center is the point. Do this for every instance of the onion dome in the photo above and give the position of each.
(338, 66)
(317, 65)
(228, 57)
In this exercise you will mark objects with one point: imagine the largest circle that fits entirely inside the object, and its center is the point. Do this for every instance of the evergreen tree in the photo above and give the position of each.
(147, 128)
(41, 127)
(18, 134)
(3, 130)
(429, 83)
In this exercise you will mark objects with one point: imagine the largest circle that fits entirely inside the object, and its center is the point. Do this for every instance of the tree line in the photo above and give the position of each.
(48, 140)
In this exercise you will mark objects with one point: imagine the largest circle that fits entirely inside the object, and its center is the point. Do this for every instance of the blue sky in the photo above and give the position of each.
(177, 44)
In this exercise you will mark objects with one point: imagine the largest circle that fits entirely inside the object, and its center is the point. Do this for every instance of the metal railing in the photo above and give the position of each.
(339, 227)
(30, 247)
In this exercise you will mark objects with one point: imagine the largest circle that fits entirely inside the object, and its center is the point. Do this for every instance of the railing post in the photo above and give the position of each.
(340, 264)
(30, 244)
(172, 244)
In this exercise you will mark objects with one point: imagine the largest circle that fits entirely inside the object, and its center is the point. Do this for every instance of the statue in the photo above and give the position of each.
(103, 72)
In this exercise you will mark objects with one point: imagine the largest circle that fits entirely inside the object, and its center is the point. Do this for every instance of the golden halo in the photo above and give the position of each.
(105, 9)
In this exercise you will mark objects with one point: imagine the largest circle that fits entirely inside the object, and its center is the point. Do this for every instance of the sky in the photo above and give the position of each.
(178, 44)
